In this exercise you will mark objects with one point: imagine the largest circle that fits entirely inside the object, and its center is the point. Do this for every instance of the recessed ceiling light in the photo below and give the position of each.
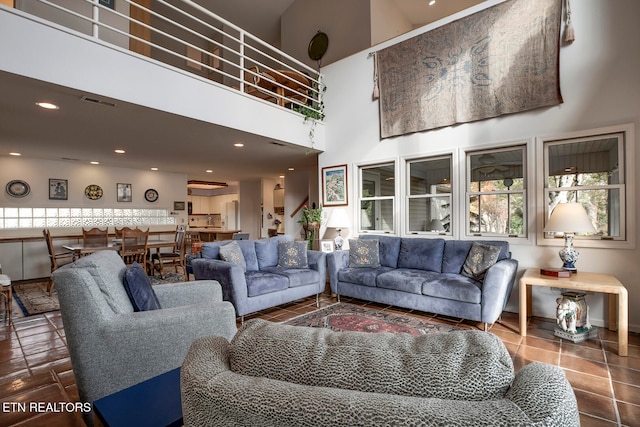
(47, 105)
(209, 171)
(94, 163)
(15, 154)
(281, 176)
(119, 151)
(238, 144)
(154, 169)
(291, 169)
(432, 2)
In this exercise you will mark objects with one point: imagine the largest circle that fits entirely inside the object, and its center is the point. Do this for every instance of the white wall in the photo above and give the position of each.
(250, 201)
(600, 82)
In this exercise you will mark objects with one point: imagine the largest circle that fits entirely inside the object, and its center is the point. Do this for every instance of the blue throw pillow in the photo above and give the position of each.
(139, 289)
(293, 254)
(364, 253)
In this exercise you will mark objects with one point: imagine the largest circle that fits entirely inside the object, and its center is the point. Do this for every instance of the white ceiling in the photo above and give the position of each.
(80, 131)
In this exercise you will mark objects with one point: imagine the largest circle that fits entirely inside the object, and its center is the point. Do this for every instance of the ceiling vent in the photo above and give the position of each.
(205, 185)
(98, 101)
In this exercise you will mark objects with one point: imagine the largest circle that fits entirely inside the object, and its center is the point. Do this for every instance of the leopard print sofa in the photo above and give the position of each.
(280, 375)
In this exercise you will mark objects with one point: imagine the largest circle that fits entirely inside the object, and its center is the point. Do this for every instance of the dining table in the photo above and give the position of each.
(80, 249)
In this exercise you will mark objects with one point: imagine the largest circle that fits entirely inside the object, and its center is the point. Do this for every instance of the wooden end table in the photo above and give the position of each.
(581, 281)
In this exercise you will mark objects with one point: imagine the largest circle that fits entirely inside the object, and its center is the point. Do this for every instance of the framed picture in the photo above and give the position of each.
(178, 206)
(108, 3)
(334, 186)
(326, 245)
(124, 192)
(58, 189)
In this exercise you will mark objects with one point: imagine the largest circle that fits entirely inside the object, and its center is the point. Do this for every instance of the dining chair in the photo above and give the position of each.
(175, 258)
(57, 259)
(134, 247)
(272, 232)
(95, 237)
(119, 231)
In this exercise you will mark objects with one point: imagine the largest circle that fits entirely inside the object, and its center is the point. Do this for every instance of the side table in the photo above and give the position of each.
(581, 281)
(152, 403)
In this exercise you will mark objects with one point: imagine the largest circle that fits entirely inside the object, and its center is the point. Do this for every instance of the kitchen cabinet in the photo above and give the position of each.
(199, 204)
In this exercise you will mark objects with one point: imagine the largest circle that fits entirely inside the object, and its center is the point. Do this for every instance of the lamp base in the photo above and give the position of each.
(568, 254)
(338, 241)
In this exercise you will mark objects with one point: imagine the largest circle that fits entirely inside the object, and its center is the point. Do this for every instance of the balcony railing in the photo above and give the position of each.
(187, 36)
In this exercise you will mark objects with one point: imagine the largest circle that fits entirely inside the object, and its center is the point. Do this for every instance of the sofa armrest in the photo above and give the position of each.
(231, 278)
(336, 261)
(496, 289)
(543, 393)
(318, 261)
(187, 293)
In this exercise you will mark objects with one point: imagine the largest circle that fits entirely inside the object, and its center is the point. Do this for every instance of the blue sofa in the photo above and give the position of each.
(425, 274)
(264, 284)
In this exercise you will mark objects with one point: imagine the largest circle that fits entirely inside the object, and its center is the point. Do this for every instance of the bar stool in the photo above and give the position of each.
(6, 293)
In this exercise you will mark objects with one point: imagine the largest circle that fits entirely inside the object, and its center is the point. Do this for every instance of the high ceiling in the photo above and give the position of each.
(80, 131)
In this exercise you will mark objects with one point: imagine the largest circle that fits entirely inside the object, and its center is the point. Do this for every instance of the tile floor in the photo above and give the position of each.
(35, 365)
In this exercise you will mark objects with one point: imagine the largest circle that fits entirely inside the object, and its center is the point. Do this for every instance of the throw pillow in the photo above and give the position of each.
(232, 253)
(364, 253)
(139, 289)
(479, 260)
(293, 254)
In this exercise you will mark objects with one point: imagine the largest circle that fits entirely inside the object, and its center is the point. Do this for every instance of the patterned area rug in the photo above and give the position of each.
(33, 298)
(348, 317)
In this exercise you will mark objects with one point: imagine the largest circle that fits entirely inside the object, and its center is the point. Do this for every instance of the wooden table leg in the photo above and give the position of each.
(623, 323)
(525, 297)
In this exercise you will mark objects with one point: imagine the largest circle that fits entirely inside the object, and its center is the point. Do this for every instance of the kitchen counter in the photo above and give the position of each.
(211, 234)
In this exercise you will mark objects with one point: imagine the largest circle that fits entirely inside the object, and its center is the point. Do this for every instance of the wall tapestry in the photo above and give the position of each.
(502, 60)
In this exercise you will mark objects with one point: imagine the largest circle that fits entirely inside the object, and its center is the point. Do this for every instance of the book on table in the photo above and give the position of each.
(555, 272)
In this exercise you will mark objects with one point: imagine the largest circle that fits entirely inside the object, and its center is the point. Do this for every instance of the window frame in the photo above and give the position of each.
(360, 167)
(626, 186)
(407, 197)
(528, 193)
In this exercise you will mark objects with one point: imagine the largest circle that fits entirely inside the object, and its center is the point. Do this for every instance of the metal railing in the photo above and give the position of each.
(183, 34)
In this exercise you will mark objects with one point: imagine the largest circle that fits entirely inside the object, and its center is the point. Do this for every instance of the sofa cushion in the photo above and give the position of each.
(248, 248)
(297, 276)
(480, 259)
(405, 280)
(139, 289)
(211, 250)
(456, 251)
(364, 253)
(292, 254)
(453, 287)
(107, 269)
(361, 276)
(460, 365)
(267, 250)
(389, 249)
(260, 283)
(422, 254)
(232, 253)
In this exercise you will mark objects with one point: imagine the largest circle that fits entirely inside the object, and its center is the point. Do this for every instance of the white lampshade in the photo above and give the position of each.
(338, 219)
(569, 218)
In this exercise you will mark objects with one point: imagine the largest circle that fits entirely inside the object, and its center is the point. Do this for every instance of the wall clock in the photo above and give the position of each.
(151, 195)
(93, 192)
(18, 188)
(318, 46)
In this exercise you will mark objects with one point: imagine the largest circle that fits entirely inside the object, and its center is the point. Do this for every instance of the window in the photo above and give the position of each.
(428, 201)
(376, 197)
(496, 192)
(589, 169)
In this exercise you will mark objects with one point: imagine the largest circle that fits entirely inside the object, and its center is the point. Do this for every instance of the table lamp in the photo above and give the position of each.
(569, 218)
(338, 220)
(436, 225)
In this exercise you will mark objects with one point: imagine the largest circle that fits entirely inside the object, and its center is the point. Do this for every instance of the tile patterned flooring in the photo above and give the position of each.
(35, 365)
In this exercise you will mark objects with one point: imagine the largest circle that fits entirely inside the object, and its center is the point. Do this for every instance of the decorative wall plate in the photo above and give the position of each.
(151, 195)
(18, 188)
(93, 192)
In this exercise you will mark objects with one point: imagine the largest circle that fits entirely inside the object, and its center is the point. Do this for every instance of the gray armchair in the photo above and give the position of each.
(111, 346)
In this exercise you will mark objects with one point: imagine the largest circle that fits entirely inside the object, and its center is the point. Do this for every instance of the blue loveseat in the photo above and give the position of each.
(425, 274)
(264, 284)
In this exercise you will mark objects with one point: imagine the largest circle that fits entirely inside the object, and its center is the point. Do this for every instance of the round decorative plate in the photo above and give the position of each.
(18, 188)
(93, 192)
(151, 195)
(318, 46)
